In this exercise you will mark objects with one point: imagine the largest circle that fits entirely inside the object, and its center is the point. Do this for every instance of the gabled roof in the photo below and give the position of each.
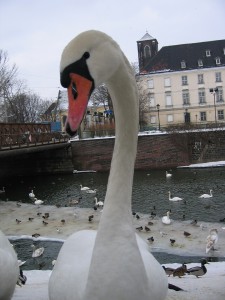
(170, 57)
(146, 37)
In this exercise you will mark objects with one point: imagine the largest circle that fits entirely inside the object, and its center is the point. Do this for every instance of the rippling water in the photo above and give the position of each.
(150, 191)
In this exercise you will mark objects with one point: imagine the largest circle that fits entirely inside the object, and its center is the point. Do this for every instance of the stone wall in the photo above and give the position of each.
(51, 160)
(154, 151)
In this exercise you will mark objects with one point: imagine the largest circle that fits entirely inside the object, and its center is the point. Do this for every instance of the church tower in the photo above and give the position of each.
(147, 48)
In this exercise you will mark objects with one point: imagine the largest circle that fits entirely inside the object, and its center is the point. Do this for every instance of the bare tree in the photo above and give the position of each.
(25, 108)
(101, 96)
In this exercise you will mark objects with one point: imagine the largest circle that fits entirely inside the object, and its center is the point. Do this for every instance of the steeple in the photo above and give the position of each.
(147, 48)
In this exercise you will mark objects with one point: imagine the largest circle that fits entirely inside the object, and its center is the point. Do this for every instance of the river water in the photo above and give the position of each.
(150, 191)
(150, 194)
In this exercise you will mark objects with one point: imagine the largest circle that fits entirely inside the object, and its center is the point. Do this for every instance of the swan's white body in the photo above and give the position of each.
(38, 201)
(9, 269)
(84, 188)
(37, 251)
(99, 203)
(174, 198)
(3, 190)
(112, 263)
(166, 219)
(211, 240)
(91, 191)
(32, 195)
(168, 175)
(207, 195)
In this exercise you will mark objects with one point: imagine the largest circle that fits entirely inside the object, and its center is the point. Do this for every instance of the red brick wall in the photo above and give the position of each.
(154, 151)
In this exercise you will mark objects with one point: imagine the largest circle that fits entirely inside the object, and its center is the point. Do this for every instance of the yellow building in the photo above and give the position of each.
(183, 83)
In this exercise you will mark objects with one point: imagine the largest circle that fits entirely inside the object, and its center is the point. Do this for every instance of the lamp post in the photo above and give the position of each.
(214, 91)
(158, 107)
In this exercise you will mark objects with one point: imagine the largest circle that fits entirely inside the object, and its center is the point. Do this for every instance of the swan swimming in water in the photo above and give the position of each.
(84, 188)
(9, 268)
(174, 198)
(99, 203)
(206, 195)
(114, 262)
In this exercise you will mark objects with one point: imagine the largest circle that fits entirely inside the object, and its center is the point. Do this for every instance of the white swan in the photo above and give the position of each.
(3, 190)
(166, 219)
(113, 263)
(32, 195)
(168, 175)
(207, 195)
(84, 188)
(211, 240)
(99, 203)
(174, 198)
(38, 201)
(9, 269)
(37, 251)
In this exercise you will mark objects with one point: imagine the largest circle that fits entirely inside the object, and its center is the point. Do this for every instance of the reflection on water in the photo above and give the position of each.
(150, 191)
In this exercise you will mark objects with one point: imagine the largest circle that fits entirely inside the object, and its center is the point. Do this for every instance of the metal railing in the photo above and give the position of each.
(15, 141)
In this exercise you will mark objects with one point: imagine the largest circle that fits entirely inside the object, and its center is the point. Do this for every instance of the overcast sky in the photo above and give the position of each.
(34, 32)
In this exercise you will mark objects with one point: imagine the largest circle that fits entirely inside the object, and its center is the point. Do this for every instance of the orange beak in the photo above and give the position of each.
(79, 92)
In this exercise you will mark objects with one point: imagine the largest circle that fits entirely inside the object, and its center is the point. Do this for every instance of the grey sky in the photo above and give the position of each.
(34, 33)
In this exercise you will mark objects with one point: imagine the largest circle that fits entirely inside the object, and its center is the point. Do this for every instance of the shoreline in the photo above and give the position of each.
(64, 221)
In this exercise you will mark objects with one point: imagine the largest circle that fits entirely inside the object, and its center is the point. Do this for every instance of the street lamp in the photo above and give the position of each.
(214, 91)
(158, 107)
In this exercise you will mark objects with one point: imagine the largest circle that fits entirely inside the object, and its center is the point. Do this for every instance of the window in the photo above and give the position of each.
(220, 115)
(185, 96)
(202, 116)
(184, 80)
(217, 60)
(200, 79)
(168, 99)
(218, 77)
(150, 83)
(219, 95)
(152, 101)
(169, 118)
(167, 82)
(147, 51)
(153, 119)
(200, 63)
(208, 53)
(183, 64)
(201, 96)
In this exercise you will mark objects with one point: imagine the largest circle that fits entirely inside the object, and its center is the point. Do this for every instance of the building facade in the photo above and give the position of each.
(184, 84)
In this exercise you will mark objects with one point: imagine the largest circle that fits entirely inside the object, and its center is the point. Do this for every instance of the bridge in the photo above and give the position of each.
(31, 149)
(30, 137)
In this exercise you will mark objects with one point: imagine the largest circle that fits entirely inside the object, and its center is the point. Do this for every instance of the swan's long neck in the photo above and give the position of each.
(123, 92)
(116, 245)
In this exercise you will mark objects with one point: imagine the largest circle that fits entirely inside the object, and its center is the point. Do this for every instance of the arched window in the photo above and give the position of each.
(147, 51)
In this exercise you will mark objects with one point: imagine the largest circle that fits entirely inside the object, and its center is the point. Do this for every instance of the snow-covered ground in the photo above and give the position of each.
(208, 287)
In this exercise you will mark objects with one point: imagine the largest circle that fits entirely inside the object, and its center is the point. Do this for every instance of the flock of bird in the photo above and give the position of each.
(182, 270)
(203, 196)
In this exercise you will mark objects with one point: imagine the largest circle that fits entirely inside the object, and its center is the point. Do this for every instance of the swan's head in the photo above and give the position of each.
(88, 60)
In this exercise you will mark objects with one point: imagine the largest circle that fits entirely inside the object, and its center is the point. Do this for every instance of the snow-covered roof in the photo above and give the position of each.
(146, 37)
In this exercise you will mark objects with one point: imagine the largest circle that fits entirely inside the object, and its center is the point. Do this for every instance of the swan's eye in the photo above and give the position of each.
(74, 90)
